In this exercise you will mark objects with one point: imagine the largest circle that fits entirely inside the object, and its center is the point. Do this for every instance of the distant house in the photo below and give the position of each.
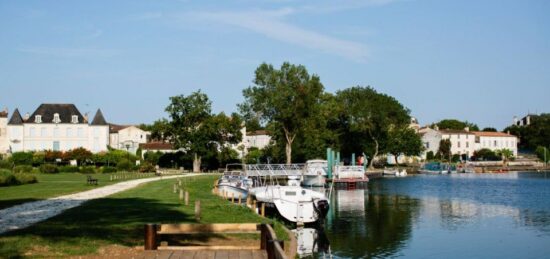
(525, 121)
(4, 144)
(58, 127)
(462, 141)
(127, 137)
(258, 139)
(495, 141)
(161, 147)
(430, 140)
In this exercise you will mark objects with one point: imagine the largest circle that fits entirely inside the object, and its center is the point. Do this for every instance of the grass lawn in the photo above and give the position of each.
(119, 219)
(52, 185)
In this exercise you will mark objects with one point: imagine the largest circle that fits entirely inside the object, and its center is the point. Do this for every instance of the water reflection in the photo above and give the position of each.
(310, 241)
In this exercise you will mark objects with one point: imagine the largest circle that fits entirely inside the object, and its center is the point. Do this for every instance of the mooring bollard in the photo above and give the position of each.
(181, 195)
(232, 197)
(263, 209)
(150, 237)
(175, 188)
(186, 198)
(179, 182)
(240, 199)
(197, 210)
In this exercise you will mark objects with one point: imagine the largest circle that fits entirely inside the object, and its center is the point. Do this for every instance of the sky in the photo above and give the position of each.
(480, 61)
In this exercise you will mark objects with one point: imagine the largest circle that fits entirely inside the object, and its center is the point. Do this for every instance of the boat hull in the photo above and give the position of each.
(314, 180)
(230, 191)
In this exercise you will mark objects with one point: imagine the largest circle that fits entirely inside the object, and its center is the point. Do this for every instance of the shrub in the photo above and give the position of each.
(22, 158)
(87, 169)
(124, 165)
(38, 158)
(49, 169)
(108, 169)
(22, 169)
(25, 178)
(147, 168)
(430, 155)
(69, 169)
(6, 164)
(79, 154)
(7, 178)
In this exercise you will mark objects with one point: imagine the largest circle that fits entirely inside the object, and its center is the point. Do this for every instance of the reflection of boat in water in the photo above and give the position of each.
(350, 201)
(437, 168)
(395, 172)
(315, 173)
(293, 203)
(310, 241)
(234, 184)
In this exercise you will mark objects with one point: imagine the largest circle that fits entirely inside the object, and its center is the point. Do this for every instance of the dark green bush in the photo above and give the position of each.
(69, 169)
(22, 158)
(25, 178)
(147, 168)
(124, 165)
(87, 169)
(22, 169)
(6, 164)
(108, 169)
(49, 169)
(7, 178)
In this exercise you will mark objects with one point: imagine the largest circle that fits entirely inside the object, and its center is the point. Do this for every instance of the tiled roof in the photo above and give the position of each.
(258, 132)
(493, 134)
(99, 119)
(450, 131)
(65, 111)
(156, 146)
(16, 118)
(114, 128)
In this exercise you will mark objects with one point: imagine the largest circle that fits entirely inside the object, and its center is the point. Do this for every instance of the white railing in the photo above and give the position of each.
(274, 169)
(349, 171)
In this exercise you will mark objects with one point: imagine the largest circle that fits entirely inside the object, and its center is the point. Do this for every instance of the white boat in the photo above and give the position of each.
(234, 184)
(315, 173)
(395, 172)
(294, 203)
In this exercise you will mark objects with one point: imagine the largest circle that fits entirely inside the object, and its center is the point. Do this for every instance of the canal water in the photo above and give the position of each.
(441, 216)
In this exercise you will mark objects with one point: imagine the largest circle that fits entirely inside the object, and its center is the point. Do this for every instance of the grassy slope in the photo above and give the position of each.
(50, 185)
(119, 219)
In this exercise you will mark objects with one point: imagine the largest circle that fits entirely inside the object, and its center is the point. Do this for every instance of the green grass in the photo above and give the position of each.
(119, 219)
(52, 185)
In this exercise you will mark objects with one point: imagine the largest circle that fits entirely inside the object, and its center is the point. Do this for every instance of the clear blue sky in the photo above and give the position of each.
(481, 61)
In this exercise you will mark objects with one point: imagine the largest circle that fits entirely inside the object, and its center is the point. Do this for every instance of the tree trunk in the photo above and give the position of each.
(196, 164)
(375, 153)
(288, 148)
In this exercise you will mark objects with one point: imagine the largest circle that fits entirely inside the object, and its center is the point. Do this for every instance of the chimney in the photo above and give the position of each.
(27, 116)
(85, 117)
(467, 129)
(508, 132)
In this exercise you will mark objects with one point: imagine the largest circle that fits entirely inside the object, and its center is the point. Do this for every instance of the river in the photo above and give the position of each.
(441, 216)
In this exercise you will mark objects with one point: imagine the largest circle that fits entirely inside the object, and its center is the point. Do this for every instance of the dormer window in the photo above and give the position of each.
(38, 119)
(56, 118)
(74, 119)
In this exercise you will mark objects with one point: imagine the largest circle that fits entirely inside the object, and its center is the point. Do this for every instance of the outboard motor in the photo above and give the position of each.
(321, 207)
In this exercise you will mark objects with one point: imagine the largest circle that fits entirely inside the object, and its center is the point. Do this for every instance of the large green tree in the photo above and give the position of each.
(444, 150)
(404, 141)
(533, 135)
(365, 117)
(194, 129)
(286, 99)
(454, 124)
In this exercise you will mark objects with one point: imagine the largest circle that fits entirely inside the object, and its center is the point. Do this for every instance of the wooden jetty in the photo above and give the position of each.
(203, 254)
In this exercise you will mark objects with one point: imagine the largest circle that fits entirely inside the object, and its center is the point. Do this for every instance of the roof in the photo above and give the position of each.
(258, 132)
(493, 134)
(65, 111)
(16, 118)
(99, 119)
(450, 131)
(156, 146)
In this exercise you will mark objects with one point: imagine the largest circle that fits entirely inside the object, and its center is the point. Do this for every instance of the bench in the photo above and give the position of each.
(91, 180)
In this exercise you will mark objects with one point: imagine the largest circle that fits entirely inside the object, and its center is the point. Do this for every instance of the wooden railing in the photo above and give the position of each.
(268, 241)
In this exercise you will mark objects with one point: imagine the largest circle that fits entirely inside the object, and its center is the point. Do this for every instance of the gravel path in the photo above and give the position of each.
(26, 214)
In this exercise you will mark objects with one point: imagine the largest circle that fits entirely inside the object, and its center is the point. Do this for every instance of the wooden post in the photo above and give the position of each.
(179, 182)
(263, 236)
(263, 209)
(111, 178)
(232, 197)
(175, 188)
(254, 206)
(197, 210)
(248, 200)
(181, 195)
(150, 237)
(186, 198)
(240, 199)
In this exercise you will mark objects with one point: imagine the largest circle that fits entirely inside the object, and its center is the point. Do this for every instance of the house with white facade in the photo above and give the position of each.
(430, 140)
(127, 137)
(59, 127)
(258, 139)
(4, 146)
(462, 141)
(496, 141)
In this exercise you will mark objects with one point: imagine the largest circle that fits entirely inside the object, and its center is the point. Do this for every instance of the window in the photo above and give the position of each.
(56, 118)
(467, 144)
(38, 119)
(96, 132)
(69, 132)
(32, 132)
(427, 144)
(477, 139)
(43, 132)
(458, 143)
(80, 132)
(495, 143)
(56, 132)
(56, 146)
(74, 119)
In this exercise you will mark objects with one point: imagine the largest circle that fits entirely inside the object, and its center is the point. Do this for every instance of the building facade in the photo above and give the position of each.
(496, 141)
(127, 138)
(4, 145)
(58, 127)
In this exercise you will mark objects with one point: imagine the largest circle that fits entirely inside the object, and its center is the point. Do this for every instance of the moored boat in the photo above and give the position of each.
(315, 173)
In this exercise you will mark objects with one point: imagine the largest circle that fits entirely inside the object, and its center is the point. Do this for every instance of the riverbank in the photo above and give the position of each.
(97, 226)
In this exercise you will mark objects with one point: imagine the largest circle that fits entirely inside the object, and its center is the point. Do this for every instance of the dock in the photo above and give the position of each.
(203, 254)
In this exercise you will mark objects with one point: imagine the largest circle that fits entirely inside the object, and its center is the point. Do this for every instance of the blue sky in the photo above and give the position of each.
(481, 61)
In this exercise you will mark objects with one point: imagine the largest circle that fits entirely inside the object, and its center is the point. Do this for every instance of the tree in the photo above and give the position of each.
(543, 154)
(486, 154)
(454, 124)
(403, 141)
(284, 98)
(505, 154)
(489, 129)
(79, 154)
(444, 148)
(430, 155)
(365, 117)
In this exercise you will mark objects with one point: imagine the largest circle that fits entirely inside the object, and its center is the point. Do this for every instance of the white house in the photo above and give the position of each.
(495, 141)
(462, 141)
(258, 139)
(58, 127)
(430, 140)
(4, 146)
(127, 137)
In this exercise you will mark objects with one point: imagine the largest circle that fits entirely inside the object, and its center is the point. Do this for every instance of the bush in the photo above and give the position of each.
(430, 155)
(87, 169)
(69, 169)
(124, 165)
(25, 178)
(49, 169)
(7, 178)
(108, 169)
(6, 164)
(543, 154)
(455, 158)
(22, 169)
(38, 158)
(147, 168)
(22, 158)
